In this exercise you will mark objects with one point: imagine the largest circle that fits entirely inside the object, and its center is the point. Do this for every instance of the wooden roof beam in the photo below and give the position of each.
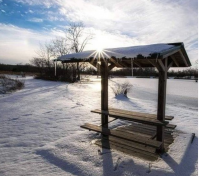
(155, 64)
(95, 64)
(161, 64)
(135, 62)
(175, 61)
(110, 67)
(92, 61)
(183, 58)
(126, 63)
(116, 63)
(169, 65)
(123, 64)
(171, 53)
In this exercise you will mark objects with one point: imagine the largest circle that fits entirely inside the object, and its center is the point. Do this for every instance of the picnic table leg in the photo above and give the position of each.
(104, 92)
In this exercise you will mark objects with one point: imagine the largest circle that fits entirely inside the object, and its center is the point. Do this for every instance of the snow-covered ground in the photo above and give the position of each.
(40, 133)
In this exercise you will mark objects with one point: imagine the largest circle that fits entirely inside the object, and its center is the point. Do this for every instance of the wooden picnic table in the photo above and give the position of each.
(143, 118)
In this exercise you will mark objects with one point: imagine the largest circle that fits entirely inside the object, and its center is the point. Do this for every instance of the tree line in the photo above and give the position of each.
(152, 72)
(87, 69)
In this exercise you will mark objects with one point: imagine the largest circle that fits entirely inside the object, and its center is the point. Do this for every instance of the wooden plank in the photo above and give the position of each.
(110, 120)
(145, 133)
(167, 139)
(149, 127)
(140, 119)
(140, 147)
(132, 144)
(171, 126)
(151, 132)
(131, 137)
(144, 129)
(126, 149)
(138, 113)
(139, 132)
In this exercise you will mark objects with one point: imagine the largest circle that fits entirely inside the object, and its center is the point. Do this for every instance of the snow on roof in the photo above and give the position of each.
(124, 52)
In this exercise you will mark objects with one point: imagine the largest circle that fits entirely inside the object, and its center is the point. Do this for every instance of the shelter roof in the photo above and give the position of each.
(142, 55)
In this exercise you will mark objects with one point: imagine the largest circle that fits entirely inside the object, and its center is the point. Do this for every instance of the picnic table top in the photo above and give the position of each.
(134, 116)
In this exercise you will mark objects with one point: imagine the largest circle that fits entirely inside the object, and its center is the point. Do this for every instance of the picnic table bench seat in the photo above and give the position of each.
(140, 139)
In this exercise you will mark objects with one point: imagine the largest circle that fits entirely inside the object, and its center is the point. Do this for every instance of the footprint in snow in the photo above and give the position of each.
(79, 104)
(117, 164)
(27, 115)
(14, 119)
(47, 112)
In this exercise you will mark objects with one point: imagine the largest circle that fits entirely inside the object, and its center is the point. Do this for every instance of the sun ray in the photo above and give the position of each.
(105, 54)
(116, 53)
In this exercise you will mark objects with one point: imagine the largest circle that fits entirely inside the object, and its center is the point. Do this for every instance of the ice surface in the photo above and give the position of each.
(40, 130)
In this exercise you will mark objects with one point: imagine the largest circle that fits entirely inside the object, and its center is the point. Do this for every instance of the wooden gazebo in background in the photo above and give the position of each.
(160, 56)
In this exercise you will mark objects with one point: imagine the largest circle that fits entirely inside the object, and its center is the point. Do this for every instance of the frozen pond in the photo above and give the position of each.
(179, 91)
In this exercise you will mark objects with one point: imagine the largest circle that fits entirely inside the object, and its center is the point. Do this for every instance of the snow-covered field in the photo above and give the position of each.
(40, 133)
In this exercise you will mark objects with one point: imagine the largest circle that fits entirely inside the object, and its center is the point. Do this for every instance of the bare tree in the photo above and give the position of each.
(78, 40)
(196, 62)
(43, 61)
(75, 41)
(39, 63)
(45, 52)
(60, 47)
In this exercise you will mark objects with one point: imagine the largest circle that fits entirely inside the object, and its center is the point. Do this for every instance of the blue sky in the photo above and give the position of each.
(24, 24)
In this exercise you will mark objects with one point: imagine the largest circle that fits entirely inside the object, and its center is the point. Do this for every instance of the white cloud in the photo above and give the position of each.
(142, 22)
(47, 3)
(30, 11)
(18, 45)
(132, 22)
(3, 11)
(36, 20)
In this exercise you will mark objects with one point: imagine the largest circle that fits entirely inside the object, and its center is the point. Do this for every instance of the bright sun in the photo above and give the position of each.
(99, 43)
(99, 49)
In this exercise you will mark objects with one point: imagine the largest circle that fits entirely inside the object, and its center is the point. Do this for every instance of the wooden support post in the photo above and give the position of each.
(78, 72)
(104, 92)
(55, 68)
(63, 70)
(161, 102)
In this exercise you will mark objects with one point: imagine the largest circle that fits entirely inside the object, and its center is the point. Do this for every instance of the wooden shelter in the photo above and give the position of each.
(160, 56)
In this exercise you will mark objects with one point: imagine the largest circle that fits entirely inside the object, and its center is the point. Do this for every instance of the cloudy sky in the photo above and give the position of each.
(24, 24)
